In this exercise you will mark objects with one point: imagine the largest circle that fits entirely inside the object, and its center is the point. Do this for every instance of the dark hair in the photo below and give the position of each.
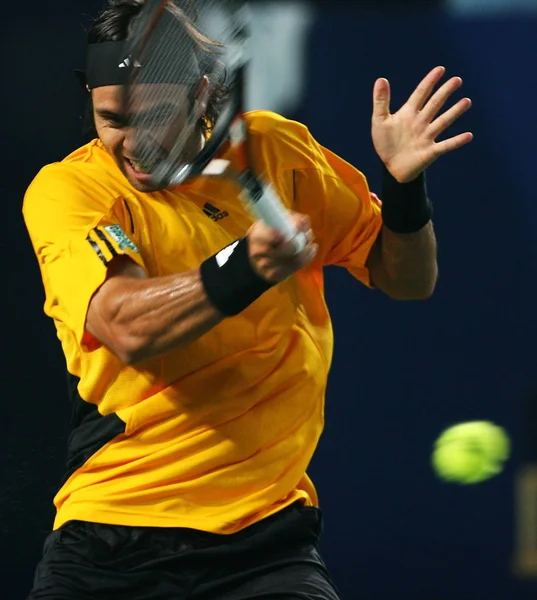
(115, 23)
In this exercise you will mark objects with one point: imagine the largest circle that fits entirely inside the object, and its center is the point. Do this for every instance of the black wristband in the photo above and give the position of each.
(230, 282)
(406, 208)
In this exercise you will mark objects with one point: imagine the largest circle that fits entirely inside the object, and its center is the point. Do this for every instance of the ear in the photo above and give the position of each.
(202, 96)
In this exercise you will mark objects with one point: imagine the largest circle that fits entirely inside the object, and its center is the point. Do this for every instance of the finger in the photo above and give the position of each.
(276, 239)
(265, 235)
(453, 143)
(272, 237)
(303, 225)
(381, 99)
(286, 250)
(303, 238)
(300, 221)
(307, 255)
(433, 106)
(425, 88)
(449, 117)
(305, 228)
(311, 252)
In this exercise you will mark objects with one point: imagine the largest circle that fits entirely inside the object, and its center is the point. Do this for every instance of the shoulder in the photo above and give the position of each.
(265, 122)
(84, 178)
(277, 137)
(81, 188)
(289, 145)
(88, 165)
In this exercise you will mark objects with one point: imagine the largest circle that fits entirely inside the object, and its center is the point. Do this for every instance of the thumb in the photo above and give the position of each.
(381, 99)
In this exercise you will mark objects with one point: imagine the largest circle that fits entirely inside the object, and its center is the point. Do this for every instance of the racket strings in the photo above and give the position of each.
(177, 64)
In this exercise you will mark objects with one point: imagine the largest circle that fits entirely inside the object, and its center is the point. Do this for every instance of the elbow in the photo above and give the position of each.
(418, 294)
(422, 290)
(129, 356)
(129, 348)
(409, 294)
(132, 351)
(123, 336)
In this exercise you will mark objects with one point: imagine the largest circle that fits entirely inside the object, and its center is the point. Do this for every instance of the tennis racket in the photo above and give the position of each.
(186, 100)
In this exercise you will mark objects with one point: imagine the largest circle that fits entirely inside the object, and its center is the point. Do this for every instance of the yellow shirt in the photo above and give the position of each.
(217, 435)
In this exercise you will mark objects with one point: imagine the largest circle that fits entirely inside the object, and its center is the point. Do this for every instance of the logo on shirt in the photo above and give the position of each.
(117, 234)
(214, 213)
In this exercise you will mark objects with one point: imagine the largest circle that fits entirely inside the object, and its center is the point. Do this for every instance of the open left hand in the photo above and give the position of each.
(406, 140)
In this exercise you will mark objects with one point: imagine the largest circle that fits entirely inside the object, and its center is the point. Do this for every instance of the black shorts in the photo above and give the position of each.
(275, 559)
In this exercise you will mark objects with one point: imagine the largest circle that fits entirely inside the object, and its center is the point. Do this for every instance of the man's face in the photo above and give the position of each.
(143, 133)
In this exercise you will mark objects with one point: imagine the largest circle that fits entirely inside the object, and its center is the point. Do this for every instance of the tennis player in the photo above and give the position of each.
(198, 343)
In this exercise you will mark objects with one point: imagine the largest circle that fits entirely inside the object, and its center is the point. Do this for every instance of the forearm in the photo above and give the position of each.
(407, 266)
(138, 318)
(149, 317)
(403, 260)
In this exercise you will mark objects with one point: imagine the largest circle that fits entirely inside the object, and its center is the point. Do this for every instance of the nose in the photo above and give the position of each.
(129, 141)
(137, 144)
(142, 146)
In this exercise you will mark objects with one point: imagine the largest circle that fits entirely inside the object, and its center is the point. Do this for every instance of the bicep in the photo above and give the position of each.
(78, 249)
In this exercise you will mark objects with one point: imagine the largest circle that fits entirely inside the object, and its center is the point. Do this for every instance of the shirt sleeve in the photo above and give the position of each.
(346, 216)
(76, 229)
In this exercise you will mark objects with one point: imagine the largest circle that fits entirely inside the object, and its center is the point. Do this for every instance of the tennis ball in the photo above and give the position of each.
(470, 452)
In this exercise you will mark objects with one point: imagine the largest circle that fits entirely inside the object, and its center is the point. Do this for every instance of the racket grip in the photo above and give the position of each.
(266, 205)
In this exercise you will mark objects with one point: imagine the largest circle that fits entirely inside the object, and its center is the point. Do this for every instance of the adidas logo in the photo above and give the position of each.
(214, 213)
(127, 63)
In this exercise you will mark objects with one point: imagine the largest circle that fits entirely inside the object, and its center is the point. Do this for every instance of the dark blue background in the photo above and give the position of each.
(402, 371)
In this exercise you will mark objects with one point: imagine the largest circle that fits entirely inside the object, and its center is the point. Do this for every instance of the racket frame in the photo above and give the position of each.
(258, 196)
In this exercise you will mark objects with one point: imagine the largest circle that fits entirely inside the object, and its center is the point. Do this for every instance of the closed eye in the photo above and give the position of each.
(111, 118)
(157, 116)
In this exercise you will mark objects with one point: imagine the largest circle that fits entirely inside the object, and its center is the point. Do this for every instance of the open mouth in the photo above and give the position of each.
(143, 168)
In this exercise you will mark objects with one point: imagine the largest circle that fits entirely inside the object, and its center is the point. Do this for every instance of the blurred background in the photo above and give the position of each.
(402, 371)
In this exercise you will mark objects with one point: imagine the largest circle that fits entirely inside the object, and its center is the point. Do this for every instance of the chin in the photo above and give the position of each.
(144, 187)
(141, 186)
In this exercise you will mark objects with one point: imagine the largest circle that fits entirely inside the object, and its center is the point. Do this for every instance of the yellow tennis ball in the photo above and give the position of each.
(470, 452)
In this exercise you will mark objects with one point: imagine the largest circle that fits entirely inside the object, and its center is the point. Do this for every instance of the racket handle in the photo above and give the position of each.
(266, 205)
